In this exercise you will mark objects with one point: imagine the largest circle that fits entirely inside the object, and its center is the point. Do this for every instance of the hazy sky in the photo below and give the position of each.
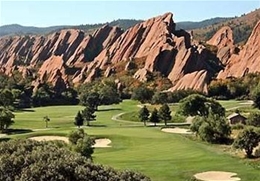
(48, 13)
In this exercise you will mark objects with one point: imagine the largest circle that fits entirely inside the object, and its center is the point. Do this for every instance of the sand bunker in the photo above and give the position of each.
(99, 143)
(50, 138)
(216, 176)
(177, 130)
(102, 143)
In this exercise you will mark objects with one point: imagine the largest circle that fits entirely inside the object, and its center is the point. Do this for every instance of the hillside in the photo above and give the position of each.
(16, 29)
(241, 26)
(190, 25)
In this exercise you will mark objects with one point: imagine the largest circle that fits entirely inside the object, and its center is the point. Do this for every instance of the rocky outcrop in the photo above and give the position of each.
(73, 55)
(223, 40)
(247, 60)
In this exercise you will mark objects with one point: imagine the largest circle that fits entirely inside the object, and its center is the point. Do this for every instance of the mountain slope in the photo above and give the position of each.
(241, 26)
(72, 56)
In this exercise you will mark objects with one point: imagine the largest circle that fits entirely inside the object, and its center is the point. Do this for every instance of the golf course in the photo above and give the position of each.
(159, 155)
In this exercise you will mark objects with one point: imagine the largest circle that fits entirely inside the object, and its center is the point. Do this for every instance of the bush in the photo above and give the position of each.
(40, 161)
(238, 126)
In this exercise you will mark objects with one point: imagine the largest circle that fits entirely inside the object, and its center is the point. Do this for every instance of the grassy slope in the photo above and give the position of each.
(162, 156)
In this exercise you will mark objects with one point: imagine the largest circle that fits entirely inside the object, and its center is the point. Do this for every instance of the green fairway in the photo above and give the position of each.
(161, 156)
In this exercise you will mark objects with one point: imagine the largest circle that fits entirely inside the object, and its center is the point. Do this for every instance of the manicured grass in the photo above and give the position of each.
(161, 156)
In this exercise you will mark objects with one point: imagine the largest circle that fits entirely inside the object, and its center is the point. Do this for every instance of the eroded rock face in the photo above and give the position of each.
(73, 54)
(247, 60)
(224, 41)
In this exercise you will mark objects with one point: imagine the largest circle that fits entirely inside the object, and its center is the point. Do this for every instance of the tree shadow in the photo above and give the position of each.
(4, 139)
(24, 110)
(17, 131)
(98, 125)
(109, 109)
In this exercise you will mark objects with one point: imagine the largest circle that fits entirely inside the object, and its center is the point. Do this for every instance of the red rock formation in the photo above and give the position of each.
(71, 53)
(223, 40)
(247, 61)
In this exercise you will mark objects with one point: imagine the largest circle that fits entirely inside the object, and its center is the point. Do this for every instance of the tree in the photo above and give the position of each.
(254, 119)
(6, 98)
(144, 115)
(108, 95)
(46, 119)
(213, 129)
(154, 118)
(159, 98)
(79, 120)
(74, 136)
(90, 99)
(88, 114)
(247, 140)
(195, 104)
(25, 159)
(6, 119)
(142, 94)
(82, 142)
(165, 113)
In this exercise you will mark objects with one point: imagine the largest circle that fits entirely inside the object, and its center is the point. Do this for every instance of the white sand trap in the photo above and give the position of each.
(50, 138)
(102, 143)
(177, 130)
(216, 176)
(99, 143)
(2, 135)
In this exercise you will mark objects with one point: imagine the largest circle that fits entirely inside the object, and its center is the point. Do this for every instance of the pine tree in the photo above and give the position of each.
(154, 118)
(88, 114)
(165, 113)
(79, 119)
(143, 115)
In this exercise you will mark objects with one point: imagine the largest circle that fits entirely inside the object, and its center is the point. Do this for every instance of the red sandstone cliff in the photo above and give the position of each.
(73, 54)
(247, 60)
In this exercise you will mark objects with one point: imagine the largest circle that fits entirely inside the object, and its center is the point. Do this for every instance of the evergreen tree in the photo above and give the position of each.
(79, 120)
(88, 114)
(165, 113)
(154, 118)
(143, 115)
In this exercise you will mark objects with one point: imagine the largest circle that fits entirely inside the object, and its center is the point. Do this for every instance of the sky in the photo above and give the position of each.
(49, 13)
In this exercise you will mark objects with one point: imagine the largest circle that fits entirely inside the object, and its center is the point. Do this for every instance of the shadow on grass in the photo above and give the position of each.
(24, 110)
(17, 131)
(99, 125)
(109, 109)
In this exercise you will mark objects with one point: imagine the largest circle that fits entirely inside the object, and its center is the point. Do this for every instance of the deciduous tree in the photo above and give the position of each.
(247, 140)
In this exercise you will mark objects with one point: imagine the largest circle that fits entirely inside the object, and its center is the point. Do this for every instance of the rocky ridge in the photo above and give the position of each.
(72, 56)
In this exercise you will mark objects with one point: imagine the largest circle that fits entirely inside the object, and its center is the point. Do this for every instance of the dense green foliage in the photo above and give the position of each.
(195, 104)
(254, 119)
(40, 161)
(99, 93)
(88, 114)
(154, 118)
(247, 140)
(143, 114)
(171, 97)
(78, 120)
(213, 128)
(82, 143)
(6, 119)
(165, 113)
(235, 88)
(142, 94)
